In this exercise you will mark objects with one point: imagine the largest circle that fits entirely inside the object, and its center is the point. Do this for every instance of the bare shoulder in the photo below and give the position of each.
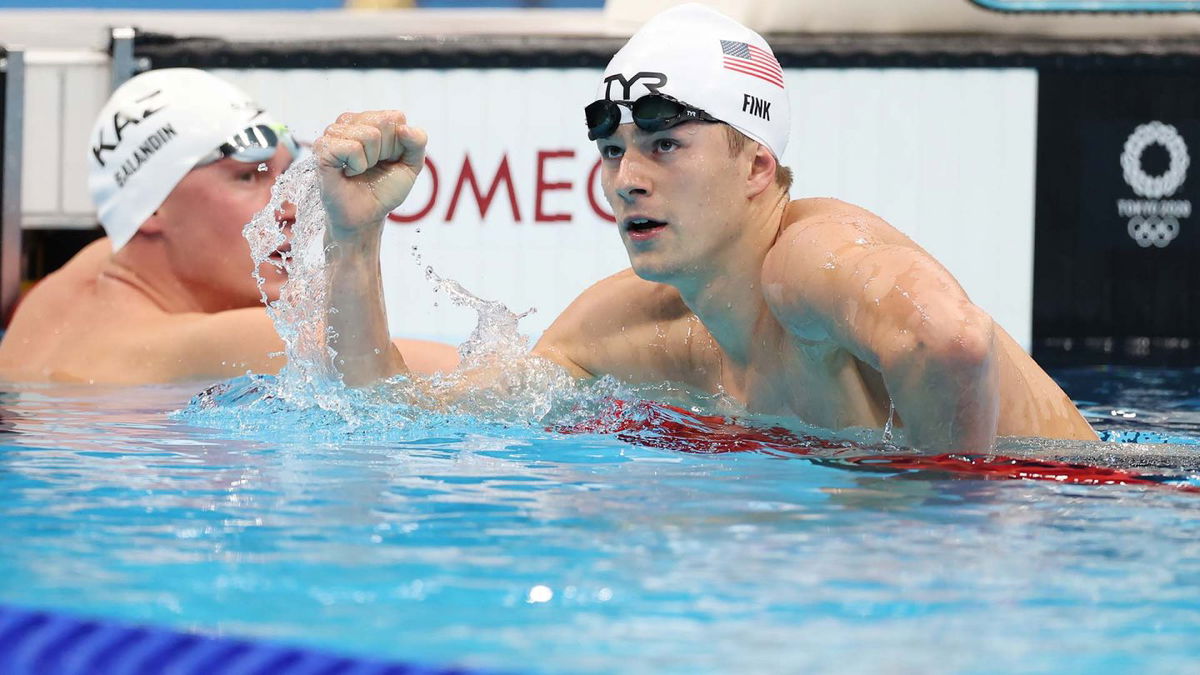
(805, 266)
(836, 266)
(621, 300)
(817, 226)
(91, 257)
(144, 347)
(217, 345)
(154, 347)
(52, 317)
(823, 238)
(77, 325)
(613, 304)
(70, 286)
(608, 328)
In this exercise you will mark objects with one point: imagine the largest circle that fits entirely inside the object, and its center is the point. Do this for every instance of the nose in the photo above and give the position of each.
(631, 180)
(286, 215)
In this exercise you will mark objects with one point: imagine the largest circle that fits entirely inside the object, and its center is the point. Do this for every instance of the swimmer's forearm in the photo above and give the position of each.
(947, 394)
(368, 163)
(356, 314)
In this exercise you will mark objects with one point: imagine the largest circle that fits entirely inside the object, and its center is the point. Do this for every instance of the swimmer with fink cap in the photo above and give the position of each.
(180, 161)
(814, 309)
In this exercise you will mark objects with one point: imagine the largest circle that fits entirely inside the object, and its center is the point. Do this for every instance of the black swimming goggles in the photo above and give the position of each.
(653, 112)
(253, 144)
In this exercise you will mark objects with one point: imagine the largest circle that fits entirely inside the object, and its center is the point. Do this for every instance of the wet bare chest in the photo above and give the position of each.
(826, 387)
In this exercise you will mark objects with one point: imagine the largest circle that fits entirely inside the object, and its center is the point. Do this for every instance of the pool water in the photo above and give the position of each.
(511, 546)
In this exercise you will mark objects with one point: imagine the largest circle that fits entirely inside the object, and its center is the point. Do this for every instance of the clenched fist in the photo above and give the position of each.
(368, 164)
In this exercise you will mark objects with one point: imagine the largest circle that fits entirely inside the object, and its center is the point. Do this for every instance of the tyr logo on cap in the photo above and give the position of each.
(659, 81)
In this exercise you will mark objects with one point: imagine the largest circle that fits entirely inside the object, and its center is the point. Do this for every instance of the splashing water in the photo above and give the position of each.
(495, 335)
(498, 380)
(889, 425)
(309, 378)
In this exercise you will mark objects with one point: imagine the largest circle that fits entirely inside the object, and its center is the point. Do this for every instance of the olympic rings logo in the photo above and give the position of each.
(1153, 230)
(1143, 183)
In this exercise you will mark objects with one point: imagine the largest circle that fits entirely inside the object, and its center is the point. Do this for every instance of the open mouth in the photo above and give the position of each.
(641, 227)
(282, 253)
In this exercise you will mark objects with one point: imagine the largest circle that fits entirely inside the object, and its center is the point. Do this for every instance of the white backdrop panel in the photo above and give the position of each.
(945, 155)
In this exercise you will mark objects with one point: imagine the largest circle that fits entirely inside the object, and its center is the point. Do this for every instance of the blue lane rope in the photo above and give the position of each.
(34, 642)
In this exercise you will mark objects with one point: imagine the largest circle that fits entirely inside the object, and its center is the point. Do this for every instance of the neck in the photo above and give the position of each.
(727, 297)
(146, 275)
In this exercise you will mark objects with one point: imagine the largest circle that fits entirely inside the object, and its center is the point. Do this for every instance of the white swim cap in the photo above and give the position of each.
(703, 58)
(155, 129)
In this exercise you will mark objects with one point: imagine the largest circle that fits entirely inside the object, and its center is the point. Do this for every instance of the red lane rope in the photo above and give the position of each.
(669, 427)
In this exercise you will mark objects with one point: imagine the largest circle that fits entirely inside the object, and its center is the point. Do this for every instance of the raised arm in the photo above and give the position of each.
(846, 276)
(368, 163)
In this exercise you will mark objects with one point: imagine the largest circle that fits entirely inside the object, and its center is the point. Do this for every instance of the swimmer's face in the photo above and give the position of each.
(202, 221)
(675, 195)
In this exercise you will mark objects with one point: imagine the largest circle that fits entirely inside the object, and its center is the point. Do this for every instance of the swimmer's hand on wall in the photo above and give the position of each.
(368, 162)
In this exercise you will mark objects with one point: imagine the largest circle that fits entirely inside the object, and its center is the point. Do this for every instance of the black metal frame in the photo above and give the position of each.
(155, 50)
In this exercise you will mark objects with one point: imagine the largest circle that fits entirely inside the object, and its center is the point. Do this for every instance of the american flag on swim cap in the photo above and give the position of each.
(750, 60)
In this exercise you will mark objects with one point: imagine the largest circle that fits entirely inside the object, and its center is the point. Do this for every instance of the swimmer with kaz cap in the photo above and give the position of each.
(179, 161)
(158, 127)
(814, 309)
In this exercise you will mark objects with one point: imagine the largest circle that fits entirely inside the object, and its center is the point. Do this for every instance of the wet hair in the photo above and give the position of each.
(737, 142)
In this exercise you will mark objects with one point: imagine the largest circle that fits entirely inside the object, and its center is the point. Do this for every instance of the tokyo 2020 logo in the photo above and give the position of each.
(1152, 220)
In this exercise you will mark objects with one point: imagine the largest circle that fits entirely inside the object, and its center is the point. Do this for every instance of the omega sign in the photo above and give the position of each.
(1154, 220)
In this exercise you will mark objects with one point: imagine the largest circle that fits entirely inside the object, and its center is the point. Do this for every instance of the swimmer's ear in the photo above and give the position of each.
(762, 171)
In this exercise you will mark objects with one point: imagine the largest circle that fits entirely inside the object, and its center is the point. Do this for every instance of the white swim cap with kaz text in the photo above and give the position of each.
(705, 59)
(153, 130)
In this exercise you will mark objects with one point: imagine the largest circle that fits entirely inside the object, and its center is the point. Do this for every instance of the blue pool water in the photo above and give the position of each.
(510, 546)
